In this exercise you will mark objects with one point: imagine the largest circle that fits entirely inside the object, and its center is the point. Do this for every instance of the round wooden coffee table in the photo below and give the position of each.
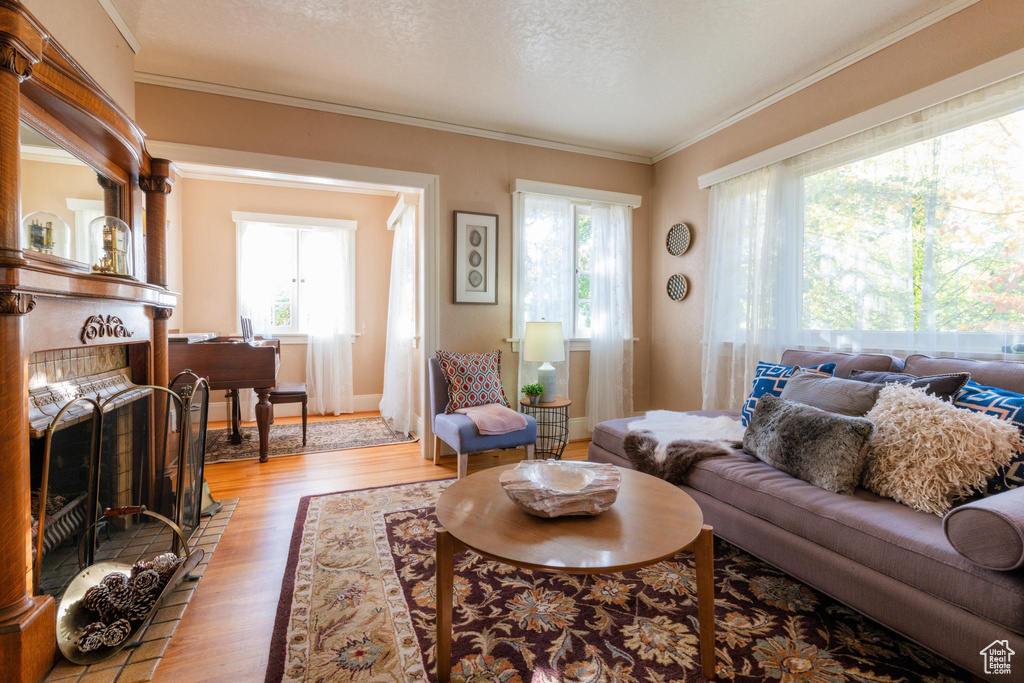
(650, 521)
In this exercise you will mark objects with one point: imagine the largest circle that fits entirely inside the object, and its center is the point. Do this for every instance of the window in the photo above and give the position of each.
(927, 237)
(292, 276)
(583, 223)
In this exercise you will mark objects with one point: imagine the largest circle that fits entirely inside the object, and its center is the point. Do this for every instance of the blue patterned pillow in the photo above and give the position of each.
(770, 379)
(1006, 405)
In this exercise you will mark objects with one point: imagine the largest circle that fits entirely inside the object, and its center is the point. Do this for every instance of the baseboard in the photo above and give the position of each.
(578, 429)
(360, 403)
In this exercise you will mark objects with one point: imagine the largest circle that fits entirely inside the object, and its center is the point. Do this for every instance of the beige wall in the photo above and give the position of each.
(209, 275)
(175, 272)
(83, 28)
(474, 176)
(971, 37)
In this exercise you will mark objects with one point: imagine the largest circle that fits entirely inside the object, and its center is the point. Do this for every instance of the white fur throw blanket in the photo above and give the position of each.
(665, 444)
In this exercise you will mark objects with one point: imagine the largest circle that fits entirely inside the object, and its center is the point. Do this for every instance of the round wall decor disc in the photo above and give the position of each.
(677, 287)
(678, 239)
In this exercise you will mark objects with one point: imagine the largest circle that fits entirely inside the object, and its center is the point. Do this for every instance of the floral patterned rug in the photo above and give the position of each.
(321, 435)
(357, 603)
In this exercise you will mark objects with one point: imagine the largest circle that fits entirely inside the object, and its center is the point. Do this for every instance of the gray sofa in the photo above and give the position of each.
(891, 563)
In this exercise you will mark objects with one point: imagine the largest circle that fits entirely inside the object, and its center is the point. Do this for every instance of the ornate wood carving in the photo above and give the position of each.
(156, 184)
(98, 326)
(16, 61)
(162, 313)
(16, 303)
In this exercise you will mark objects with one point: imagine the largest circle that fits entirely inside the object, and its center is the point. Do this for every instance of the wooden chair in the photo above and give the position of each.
(289, 392)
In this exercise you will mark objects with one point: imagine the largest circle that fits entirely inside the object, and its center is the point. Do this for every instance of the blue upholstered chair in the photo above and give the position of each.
(459, 432)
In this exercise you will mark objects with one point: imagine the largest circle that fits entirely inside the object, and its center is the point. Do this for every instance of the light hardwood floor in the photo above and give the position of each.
(225, 633)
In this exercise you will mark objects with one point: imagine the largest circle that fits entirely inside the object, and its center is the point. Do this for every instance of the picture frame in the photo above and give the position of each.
(476, 258)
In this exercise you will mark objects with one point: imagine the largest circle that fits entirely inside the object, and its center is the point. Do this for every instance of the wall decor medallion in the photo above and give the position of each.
(98, 326)
(678, 239)
(476, 258)
(677, 287)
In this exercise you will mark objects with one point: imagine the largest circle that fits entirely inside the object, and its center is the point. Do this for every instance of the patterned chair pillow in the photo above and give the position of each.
(474, 379)
(770, 379)
(1005, 405)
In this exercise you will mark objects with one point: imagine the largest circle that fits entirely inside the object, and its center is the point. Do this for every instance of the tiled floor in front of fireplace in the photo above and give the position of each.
(140, 664)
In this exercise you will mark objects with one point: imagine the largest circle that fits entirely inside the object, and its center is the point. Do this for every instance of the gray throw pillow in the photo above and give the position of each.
(822, 448)
(943, 386)
(834, 394)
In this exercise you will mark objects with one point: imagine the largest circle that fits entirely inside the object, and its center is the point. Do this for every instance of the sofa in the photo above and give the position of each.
(883, 559)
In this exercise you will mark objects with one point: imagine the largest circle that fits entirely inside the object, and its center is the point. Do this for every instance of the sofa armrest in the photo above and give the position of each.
(989, 532)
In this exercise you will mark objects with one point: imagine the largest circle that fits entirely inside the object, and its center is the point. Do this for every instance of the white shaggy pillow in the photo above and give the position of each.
(926, 452)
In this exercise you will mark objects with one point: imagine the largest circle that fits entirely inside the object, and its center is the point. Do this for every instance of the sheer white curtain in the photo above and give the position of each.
(610, 392)
(327, 301)
(545, 279)
(258, 245)
(903, 238)
(396, 403)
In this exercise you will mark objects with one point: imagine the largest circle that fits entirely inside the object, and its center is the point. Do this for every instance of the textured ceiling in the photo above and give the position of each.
(620, 75)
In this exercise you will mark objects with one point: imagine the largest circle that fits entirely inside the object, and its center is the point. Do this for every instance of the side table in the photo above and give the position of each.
(552, 426)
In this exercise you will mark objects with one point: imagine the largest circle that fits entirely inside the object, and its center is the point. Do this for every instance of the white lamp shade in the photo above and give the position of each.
(543, 343)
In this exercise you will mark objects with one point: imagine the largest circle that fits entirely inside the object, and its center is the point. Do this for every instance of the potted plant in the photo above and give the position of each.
(534, 391)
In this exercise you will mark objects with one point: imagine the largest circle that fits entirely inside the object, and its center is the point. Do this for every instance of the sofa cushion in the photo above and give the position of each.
(609, 435)
(770, 379)
(845, 362)
(943, 386)
(997, 373)
(834, 394)
(881, 534)
(990, 532)
(1005, 405)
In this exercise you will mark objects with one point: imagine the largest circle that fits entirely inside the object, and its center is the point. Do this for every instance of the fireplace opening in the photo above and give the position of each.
(111, 444)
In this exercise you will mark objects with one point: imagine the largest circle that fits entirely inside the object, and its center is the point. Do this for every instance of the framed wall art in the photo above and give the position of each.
(476, 258)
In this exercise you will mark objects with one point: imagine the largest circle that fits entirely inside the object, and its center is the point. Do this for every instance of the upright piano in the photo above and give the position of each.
(231, 364)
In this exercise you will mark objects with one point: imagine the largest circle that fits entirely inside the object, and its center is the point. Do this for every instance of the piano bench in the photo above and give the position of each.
(291, 392)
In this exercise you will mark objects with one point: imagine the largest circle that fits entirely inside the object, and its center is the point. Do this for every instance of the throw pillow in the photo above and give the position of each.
(1005, 405)
(474, 379)
(833, 394)
(770, 379)
(822, 448)
(943, 386)
(927, 453)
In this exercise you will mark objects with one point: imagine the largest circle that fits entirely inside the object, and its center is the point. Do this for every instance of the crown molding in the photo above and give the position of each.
(821, 74)
(246, 177)
(121, 24)
(347, 110)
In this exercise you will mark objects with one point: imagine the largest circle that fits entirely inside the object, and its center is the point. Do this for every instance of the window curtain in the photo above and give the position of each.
(327, 299)
(899, 239)
(396, 404)
(610, 392)
(545, 280)
(255, 291)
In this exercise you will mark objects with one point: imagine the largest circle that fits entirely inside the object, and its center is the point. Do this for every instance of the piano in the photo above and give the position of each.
(230, 364)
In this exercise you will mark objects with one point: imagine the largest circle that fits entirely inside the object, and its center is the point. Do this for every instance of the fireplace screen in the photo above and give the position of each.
(114, 450)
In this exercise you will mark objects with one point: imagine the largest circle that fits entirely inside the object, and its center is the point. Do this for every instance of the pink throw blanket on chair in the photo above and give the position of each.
(494, 419)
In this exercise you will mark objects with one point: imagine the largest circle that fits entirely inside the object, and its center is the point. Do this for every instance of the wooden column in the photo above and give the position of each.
(27, 622)
(157, 186)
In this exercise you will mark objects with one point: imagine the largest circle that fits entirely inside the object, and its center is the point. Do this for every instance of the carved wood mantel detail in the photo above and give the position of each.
(16, 58)
(156, 184)
(99, 326)
(162, 313)
(16, 303)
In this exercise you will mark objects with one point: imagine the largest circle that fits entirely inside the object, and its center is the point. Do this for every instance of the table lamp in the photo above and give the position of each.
(543, 343)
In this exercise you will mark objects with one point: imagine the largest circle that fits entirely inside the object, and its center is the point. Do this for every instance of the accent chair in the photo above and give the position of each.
(459, 432)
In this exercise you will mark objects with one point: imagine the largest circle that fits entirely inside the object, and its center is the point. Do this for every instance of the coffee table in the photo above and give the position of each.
(650, 521)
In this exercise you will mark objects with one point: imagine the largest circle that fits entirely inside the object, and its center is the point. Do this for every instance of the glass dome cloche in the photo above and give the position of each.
(46, 233)
(110, 247)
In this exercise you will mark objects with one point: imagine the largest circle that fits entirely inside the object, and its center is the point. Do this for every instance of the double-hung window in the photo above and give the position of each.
(582, 222)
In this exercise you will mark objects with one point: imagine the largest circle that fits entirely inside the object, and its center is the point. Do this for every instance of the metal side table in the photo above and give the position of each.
(552, 425)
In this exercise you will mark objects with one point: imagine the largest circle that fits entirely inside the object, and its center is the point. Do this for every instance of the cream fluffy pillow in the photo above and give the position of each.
(926, 452)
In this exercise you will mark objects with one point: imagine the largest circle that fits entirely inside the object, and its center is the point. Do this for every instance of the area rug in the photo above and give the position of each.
(321, 435)
(357, 603)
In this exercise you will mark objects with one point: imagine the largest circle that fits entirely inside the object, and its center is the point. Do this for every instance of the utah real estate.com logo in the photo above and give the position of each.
(997, 657)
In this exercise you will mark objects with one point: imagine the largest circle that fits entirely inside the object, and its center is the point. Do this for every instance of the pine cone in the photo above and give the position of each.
(91, 636)
(146, 581)
(114, 579)
(165, 564)
(122, 596)
(140, 566)
(96, 598)
(142, 606)
(117, 633)
(109, 614)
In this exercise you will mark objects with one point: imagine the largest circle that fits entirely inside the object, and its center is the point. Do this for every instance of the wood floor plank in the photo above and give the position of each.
(225, 633)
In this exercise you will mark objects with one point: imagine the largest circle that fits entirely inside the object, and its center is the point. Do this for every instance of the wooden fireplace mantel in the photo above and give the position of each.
(50, 303)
